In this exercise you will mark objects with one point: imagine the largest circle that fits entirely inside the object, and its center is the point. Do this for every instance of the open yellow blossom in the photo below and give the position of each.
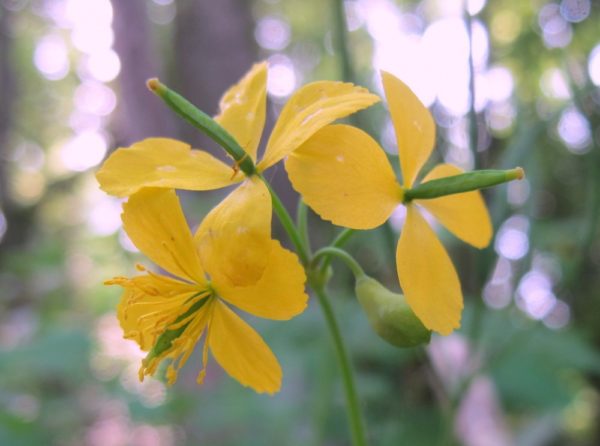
(168, 163)
(344, 175)
(211, 272)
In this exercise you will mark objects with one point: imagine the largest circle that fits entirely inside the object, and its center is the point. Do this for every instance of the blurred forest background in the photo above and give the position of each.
(525, 367)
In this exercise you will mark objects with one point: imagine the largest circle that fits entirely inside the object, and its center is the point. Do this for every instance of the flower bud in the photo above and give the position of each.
(389, 314)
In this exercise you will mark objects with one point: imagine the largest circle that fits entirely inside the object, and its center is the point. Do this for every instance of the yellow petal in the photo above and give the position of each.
(242, 352)
(155, 223)
(278, 294)
(413, 124)
(233, 239)
(427, 276)
(242, 109)
(465, 215)
(162, 162)
(343, 174)
(149, 304)
(312, 107)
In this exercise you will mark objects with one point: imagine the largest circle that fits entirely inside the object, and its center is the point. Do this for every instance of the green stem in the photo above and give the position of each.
(340, 254)
(339, 241)
(302, 223)
(205, 123)
(352, 404)
(339, 17)
(354, 415)
(288, 224)
(473, 125)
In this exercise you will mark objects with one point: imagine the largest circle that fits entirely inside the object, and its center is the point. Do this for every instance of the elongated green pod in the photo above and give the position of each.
(464, 182)
(203, 122)
(389, 314)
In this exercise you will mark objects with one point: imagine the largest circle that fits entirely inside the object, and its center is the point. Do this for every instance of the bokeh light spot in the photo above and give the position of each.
(3, 225)
(554, 85)
(556, 31)
(594, 65)
(84, 151)
(512, 241)
(95, 98)
(575, 10)
(574, 130)
(51, 58)
(272, 33)
(282, 77)
(535, 296)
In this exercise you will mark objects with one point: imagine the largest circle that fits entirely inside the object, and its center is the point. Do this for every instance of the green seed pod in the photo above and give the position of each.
(389, 314)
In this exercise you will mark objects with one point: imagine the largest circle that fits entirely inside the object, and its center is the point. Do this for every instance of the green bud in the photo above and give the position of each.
(464, 182)
(205, 123)
(389, 314)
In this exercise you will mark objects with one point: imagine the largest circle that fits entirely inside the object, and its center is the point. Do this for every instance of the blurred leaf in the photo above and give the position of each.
(62, 353)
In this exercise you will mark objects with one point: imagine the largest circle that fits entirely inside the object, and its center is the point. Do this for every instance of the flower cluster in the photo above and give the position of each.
(231, 261)
(345, 176)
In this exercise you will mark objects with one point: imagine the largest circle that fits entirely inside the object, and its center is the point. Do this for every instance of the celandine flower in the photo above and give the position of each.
(161, 162)
(344, 175)
(168, 315)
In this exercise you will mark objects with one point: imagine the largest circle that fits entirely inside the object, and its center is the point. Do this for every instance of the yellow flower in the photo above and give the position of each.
(168, 163)
(168, 315)
(344, 175)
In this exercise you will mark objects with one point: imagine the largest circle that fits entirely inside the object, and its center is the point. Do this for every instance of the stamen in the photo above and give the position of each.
(116, 281)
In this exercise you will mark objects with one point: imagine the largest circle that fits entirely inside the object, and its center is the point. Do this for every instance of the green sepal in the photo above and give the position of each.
(464, 182)
(205, 123)
(389, 315)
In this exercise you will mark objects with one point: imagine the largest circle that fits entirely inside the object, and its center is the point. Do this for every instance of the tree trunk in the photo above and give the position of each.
(214, 47)
(7, 96)
(140, 114)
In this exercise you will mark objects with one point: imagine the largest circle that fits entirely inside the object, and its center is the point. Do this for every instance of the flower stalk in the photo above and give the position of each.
(353, 407)
(331, 251)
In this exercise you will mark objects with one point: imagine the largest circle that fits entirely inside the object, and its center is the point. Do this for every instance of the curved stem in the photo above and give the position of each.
(352, 404)
(339, 241)
(343, 255)
(288, 224)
